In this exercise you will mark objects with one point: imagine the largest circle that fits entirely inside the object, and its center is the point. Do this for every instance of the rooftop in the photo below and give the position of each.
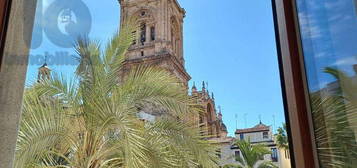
(258, 128)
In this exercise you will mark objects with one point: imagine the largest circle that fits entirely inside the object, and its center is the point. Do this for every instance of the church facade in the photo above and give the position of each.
(159, 42)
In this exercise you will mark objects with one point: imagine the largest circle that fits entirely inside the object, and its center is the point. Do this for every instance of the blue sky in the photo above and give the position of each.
(230, 44)
(329, 37)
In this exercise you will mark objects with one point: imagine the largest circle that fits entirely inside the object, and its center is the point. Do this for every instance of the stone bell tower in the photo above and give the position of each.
(159, 37)
(44, 73)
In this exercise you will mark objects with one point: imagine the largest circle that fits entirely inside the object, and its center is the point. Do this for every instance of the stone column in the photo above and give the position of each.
(12, 75)
(181, 43)
(148, 39)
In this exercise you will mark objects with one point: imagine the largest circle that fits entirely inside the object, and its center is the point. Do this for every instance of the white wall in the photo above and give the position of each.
(256, 136)
(228, 157)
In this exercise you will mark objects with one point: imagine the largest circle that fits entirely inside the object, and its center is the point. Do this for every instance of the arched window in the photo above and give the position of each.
(176, 37)
(146, 30)
(209, 119)
(209, 112)
(200, 118)
(143, 33)
(152, 33)
(134, 37)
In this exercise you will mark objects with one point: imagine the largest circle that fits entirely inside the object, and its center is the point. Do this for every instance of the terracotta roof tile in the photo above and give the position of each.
(258, 128)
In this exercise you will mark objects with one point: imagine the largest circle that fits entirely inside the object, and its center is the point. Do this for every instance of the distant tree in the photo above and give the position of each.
(282, 138)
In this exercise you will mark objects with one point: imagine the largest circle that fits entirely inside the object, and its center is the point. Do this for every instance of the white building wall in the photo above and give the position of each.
(256, 136)
(227, 155)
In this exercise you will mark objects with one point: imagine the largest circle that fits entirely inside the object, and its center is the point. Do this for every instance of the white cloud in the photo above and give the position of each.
(339, 17)
(334, 18)
(321, 55)
(309, 27)
(313, 5)
(332, 5)
(345, 61)
(46, 3)
(336, 5)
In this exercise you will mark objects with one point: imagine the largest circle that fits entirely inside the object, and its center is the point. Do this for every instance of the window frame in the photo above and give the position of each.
(265, 135)
(152, 33)
(298, 118)
(294, 85)
(236, 155)
(5, 6)
(13, 48)
(274, 155)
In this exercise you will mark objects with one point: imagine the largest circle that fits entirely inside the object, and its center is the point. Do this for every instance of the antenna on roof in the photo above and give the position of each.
(245, 120)
(236, 117)
(273, 123)
(260, 119)
(45, 63)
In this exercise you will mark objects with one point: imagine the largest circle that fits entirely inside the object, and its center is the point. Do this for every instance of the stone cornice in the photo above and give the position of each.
(182, 10)
(139, 46)
(134, 3)
(162, 57)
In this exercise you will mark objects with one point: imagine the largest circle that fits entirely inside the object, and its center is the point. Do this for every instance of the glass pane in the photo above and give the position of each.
(329, 36)
(134, 98)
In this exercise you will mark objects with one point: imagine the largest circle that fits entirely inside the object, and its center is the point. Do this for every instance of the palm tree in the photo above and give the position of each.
(92, 121)
(335, 117)
(251, 156)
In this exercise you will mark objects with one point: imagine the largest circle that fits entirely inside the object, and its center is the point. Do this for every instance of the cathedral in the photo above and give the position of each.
(159, 43)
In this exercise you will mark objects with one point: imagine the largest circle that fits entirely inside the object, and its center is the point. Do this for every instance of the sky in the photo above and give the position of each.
(329, 36)
(229, 44)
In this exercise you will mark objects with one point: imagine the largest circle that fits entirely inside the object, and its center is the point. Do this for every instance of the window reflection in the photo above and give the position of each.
(329, 36)
(59, 24)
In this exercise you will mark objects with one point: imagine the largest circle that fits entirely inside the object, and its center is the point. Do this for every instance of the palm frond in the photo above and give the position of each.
(41, 129)
(267, 164)
(93, 121)
(335, 119)
(251, 154)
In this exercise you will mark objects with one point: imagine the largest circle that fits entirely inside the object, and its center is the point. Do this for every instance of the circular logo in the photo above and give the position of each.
(65, 21)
